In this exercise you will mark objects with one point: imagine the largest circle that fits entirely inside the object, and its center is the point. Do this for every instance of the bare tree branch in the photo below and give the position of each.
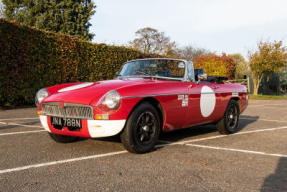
(150, 40)
(189, 52)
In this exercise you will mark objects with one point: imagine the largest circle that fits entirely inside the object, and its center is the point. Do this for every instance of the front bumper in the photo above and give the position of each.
(90, 128)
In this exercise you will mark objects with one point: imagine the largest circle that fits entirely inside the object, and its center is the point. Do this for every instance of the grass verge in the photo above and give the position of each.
(267, 97)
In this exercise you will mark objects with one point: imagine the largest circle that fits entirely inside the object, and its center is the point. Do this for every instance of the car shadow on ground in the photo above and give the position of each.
(181, 134)
(245, 120)
(278, 180)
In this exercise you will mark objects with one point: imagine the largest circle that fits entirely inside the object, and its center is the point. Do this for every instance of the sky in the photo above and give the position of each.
(230, 26)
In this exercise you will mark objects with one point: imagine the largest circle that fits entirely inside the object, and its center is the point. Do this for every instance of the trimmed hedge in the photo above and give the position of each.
(31, 59)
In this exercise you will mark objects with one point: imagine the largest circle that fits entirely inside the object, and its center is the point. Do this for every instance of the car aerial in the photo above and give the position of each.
(148, 96)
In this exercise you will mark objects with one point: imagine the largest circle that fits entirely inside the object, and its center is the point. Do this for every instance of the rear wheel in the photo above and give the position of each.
(142, 129)
(229, 123)
(63, 138)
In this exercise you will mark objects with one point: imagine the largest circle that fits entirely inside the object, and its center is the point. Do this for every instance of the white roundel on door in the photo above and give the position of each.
(207, 101)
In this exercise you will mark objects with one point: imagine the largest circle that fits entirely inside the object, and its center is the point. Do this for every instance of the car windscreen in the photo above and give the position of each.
(154, 67)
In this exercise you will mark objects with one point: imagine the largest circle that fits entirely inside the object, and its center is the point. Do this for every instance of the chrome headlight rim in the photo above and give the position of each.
(41, 95)
(111, 100)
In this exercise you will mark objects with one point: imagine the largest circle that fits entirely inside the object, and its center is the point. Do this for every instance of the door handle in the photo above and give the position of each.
(215, 87)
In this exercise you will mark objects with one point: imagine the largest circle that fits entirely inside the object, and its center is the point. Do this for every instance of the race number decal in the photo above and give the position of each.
(207, 101)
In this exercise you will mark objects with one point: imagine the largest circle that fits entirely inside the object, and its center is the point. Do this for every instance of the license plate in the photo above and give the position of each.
(59, 122)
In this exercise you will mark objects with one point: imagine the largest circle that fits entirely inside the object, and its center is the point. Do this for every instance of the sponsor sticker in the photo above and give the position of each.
(180, 97)
(184, 100)
(234, 93)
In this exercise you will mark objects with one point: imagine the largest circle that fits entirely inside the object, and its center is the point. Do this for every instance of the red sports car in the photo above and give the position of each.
(148, 96)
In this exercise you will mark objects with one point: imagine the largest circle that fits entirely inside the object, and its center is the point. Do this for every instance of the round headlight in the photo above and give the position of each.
(112, 99)
(41, 95)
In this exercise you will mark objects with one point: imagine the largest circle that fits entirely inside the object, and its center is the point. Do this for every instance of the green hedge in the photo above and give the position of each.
(31, 59)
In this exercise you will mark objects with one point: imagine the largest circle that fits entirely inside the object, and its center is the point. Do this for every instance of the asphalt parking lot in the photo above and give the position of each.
(193, 159)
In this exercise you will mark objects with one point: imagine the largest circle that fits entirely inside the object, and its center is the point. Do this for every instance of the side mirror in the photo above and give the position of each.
(202, 77)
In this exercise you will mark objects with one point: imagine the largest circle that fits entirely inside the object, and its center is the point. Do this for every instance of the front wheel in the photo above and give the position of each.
(229, 123)
(142, 129)
(63, 138)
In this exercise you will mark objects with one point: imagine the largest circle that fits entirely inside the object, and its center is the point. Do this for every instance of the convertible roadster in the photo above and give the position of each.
(147, 97)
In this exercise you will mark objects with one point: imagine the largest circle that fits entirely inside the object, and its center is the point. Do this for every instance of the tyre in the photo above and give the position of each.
(142, 129)
(229, 123)
(63, 138)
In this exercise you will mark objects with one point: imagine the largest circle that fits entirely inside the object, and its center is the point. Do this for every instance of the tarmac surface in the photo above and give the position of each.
(193, 159)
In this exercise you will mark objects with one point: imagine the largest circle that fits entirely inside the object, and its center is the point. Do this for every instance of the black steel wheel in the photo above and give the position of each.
(145, 127)
(229, 123)
(142, 129)
(232, 116)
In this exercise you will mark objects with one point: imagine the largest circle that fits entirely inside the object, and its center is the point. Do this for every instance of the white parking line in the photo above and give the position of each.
(60, 162)
(248, 118)
(259, 130)
(121, 152)
(220, 136)
(21, 132)
(237, 150)
(263, 105)
(187, 143)
(19, 118)
(22, 125)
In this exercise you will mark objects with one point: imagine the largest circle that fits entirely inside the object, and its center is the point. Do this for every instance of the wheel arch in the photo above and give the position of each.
(237, 99)
(153, 101)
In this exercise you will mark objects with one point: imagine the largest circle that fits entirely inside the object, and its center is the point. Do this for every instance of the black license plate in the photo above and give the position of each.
(59, 122)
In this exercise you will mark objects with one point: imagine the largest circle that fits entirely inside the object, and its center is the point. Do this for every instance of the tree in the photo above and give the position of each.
(283, 81)
(190, 53)
(268, 59)
(215, 65)
(67, 16)
(151, 41)
(242, 68)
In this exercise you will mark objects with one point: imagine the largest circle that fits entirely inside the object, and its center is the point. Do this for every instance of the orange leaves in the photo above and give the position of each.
(215, 65)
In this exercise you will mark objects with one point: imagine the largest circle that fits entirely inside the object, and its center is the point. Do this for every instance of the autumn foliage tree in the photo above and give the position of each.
(242, 68)
(215, 65)
(270, 58)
